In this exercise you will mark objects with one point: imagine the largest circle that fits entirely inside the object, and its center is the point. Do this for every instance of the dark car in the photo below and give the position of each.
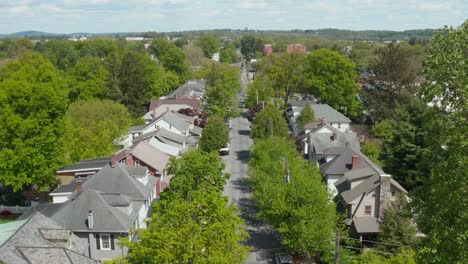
(283, 258)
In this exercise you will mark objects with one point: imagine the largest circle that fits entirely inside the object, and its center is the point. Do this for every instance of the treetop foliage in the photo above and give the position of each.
(215, 134)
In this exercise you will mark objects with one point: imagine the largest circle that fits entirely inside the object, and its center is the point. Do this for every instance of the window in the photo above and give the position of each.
(137, 163)
(105, 242)
(339, 125)
(368, 210)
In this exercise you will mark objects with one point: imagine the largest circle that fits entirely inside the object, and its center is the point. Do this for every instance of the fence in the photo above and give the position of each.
(14, 209)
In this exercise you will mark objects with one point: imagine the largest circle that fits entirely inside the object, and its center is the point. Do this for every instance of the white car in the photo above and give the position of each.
(224, 150)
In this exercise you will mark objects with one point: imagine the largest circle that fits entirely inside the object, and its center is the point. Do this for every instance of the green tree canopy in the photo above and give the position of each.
(269, 122)
(223, 86)
(33, 101)
(332, 78)
(228, 54)
(208, 44)
(170, 57)
(60, 52)
(88, 79)
(200, 230)
(296, 205)
(194, 171)
(247, 47)
(215, 134)
(306, 116)
(91, 128)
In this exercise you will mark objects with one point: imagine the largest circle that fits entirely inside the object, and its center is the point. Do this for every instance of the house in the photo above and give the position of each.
(349, 159)
(299, 48)
(170, 150)
(143, 154)
(108, 206)
(364, 195)
(324, 142)
(159, 106)
(63, 191)
(170, 121)
(81, 169)
(39, 239)
(321, 111)
(192, 89)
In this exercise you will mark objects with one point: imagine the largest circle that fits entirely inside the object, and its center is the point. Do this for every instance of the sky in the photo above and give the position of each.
(100, 16)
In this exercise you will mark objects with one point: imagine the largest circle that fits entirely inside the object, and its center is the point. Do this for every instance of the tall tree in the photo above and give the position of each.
(33, 101)
(228, 54)
(306, 116)
(196, 170)
(292, 197)
(395, 73)
(247, 47)
(88, 79)
(208, 44)
(170, 57)
(332, 78)
(215, 134)
(60, 52)
(397, 227)
(445, 192)
(194, 55)
(200, 230)
(91, 128)
(269, 122)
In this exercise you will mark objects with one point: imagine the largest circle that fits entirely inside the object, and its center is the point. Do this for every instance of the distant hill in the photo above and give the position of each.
(328, 33)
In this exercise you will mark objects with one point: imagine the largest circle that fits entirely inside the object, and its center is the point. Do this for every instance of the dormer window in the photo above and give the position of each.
(368, 210)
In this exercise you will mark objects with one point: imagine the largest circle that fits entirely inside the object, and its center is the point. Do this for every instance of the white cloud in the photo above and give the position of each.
(253, 4)
(435, 6)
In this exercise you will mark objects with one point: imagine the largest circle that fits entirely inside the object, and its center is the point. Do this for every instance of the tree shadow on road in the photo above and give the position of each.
(244, 132)
(243, 155)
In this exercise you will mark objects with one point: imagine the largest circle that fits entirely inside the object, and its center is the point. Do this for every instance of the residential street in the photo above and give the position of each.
(263, 242)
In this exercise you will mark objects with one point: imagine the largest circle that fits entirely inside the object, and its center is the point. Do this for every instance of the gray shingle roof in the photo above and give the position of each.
(164, 133)
(176, 121)
(188, 119)
(193, 103)
(331, 115)
(192, 88)
(88, 164)
(196, 130)
(68, 188)
(342, 163)
(324, 143)
(151, 156)
(366, 224)
(42, 240)
(364, 187)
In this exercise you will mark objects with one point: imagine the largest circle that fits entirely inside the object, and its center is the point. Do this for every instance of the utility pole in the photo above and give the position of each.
(287, 176)
(256, 91)
(337, 247)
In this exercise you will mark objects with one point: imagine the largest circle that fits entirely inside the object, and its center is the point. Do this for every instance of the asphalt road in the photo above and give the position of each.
(263, 242)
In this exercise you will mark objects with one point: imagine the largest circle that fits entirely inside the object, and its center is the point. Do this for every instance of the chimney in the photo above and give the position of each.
(354, 162)
(385, 193)
(90, 219)
(113, 161)
(167, 109)
(79, 185)
(322, 121)
(128, 158)
(334, 137)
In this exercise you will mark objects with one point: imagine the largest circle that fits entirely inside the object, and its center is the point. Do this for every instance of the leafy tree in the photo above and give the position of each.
(297, 206)
(405, 256)
(247, 47)
(396, 227)
(138, 77)
(269, 122)
(200, 230)
(223, 85)
(170, 57)
(100, 48)
(88, 79)
(331, 77)
(395, 73)
(194, 55)
(285, 74)
(228, 54)
(91, 128)
(60, 52)
(196, 170)
(215, 134)
(181, 42)
(208, 44)
(373, 150)
(33, 100)
(306, 116)
(259, 89)
(17, 47)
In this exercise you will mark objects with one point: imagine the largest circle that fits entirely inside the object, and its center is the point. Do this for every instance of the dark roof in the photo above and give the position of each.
(321, 111)
(364, 187)
(42, 240)
(68, 188)
(342, 163)
(190, 89)
(325, 144)
(89, 164)
(367, 224)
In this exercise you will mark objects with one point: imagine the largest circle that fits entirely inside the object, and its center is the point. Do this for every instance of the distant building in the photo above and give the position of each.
(268, 49)
(296, 48)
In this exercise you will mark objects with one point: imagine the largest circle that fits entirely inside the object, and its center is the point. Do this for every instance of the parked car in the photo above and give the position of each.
(283, 258)
(224, 150)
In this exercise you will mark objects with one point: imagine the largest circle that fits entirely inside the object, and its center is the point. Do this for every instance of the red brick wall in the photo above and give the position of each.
(296, 48)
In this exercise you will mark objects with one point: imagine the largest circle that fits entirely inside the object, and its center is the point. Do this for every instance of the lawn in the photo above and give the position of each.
(6, 219)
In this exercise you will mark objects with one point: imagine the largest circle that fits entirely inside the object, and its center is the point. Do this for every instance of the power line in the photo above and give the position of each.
(375, 242)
